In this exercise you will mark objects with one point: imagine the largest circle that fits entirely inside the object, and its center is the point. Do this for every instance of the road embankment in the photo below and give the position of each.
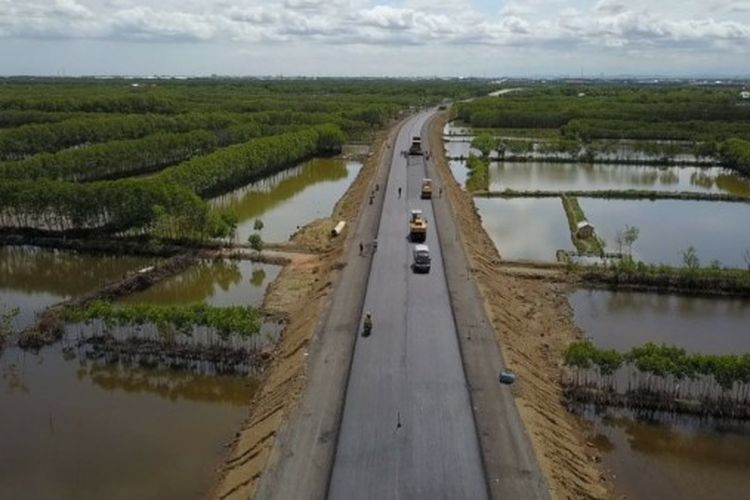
(533, 323)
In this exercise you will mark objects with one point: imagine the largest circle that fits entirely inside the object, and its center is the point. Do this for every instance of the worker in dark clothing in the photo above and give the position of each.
(367, 326)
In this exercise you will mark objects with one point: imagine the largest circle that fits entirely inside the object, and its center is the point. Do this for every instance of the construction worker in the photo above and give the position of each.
(367, 324)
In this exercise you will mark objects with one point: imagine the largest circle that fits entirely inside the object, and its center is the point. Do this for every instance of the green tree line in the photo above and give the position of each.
(167, 204)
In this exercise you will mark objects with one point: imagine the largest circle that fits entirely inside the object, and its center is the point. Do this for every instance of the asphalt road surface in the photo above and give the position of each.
(407, 429)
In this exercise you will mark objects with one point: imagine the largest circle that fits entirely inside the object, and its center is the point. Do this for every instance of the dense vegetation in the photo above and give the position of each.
(70, 149)
(736, 153)
(578, 117)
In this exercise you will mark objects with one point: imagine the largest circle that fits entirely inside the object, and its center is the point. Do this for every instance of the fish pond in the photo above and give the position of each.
(289, 199)
(551, 176)
(525, 228)
(78, 426)
(718, 231)
(33, 279)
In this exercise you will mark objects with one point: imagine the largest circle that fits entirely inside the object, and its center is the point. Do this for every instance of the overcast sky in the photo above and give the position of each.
(375, 37)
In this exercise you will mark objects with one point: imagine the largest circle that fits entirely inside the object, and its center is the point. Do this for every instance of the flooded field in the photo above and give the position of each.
(525, 228)
(291, 198)
(621, 320)
(550, 176)
(217, 283)
(717, 230)
(71, 429)
(33, 279)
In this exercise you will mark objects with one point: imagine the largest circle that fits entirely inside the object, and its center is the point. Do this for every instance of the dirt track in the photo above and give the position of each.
(534, 323)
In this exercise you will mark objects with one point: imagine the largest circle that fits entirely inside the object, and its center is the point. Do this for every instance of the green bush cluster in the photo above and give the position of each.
(234, 320)
(661, 361)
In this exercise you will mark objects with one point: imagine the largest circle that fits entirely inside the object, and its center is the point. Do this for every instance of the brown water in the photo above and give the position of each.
(667, 457)
(622, 320)
(290, 199)
(33, 279)
(217, 283)
(548, 176)
(717, 230)
(525, 228)
(72, 430)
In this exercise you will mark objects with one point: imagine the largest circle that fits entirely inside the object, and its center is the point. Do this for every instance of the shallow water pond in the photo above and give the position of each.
(717, 230)
(525, 228)
(673, 457)
(550, 176)
(33, 279)
(622, 320)
(289, 199)
(217, 283)
(72, 429)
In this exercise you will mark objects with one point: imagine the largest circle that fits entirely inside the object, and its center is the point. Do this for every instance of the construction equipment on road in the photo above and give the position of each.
(422, 258)
(417, 227)
(426, 193)
(416, 146)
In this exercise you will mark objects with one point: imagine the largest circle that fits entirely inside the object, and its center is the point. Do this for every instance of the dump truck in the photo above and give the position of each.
(417, 227)
(426, 193)
(416, 147)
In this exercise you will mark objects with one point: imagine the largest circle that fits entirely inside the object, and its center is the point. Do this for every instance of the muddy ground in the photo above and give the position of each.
(300, 295)
(533, 323)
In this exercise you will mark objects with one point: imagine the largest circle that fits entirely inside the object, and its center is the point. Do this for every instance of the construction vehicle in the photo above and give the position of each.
(417, 227)
(416, 147)
(426, 192)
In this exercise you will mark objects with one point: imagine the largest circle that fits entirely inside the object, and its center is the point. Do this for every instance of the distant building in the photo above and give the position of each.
(584, 230)
(745, 94)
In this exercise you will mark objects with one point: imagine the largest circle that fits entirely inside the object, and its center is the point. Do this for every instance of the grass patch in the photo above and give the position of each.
(478, 178)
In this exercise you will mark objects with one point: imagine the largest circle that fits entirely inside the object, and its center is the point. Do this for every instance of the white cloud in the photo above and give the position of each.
(545, 26)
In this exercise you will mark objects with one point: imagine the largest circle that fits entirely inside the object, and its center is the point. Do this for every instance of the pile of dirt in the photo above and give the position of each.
(533, 323)
(299, 294)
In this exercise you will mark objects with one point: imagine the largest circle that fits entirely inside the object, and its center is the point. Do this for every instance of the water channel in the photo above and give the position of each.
(668, 456)
(71, 427)
(290, 199)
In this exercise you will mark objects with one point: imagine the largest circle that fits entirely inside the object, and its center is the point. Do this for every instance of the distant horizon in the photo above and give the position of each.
(377, 38)
(646, 78)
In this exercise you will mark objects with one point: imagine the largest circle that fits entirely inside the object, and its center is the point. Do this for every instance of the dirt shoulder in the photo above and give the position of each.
(533, 323)
(301, 294)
